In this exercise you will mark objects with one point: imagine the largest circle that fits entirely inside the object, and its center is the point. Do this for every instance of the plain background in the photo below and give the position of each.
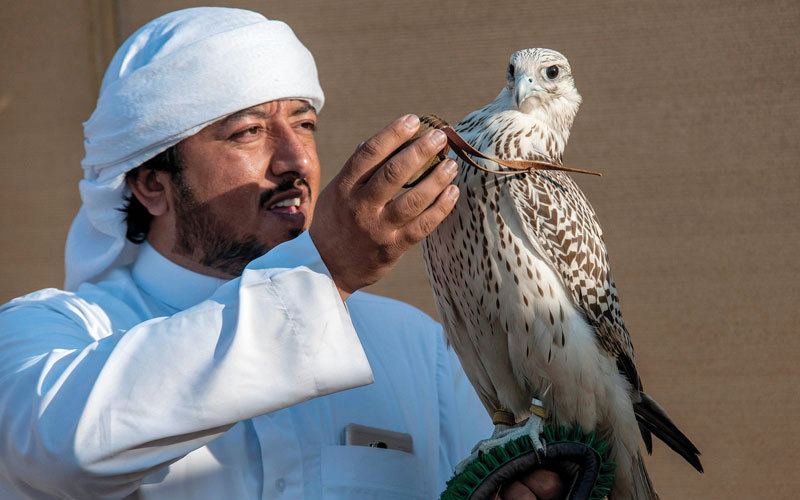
(690, 110)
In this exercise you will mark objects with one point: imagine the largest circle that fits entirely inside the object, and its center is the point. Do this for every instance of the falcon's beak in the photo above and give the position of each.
(525, 87)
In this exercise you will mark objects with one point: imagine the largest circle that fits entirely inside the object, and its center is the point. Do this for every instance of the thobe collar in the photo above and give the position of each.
(167, 282)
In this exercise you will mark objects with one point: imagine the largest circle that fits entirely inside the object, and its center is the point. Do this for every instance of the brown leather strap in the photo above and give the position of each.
(502, 416)
(463, 149)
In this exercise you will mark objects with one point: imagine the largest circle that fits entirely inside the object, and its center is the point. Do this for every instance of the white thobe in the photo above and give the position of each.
(162, 383)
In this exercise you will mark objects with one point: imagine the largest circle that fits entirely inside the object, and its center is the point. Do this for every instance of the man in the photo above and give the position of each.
(203, 355)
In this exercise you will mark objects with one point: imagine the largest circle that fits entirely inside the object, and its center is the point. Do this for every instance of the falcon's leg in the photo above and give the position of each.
(533, 427)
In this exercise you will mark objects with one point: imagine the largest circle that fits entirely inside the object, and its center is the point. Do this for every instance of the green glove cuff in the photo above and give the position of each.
(581, 460)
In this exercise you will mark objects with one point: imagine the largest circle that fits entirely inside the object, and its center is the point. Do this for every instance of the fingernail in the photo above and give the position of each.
(411, 121)
(452, 192)
(438, 138)
(449, 166)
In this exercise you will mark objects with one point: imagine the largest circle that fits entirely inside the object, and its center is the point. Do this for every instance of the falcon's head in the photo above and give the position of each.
(540, 83)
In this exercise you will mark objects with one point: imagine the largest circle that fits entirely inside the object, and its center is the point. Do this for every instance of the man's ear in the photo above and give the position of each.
(150, 188)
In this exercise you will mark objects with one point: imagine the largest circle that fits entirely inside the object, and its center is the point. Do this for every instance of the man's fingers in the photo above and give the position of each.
(391, 176)
(545, 483)
(427, 221)
(354, 237)
(410, 204)
(540, 484)
(377, 148)
(517, 491)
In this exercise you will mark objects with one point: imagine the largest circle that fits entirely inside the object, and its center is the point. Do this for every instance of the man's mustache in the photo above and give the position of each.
(287, 185)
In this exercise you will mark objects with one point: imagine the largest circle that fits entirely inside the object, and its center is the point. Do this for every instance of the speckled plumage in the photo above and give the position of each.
(521, 276)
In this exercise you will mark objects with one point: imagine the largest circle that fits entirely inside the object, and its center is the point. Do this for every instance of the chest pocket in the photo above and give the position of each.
(361, 473)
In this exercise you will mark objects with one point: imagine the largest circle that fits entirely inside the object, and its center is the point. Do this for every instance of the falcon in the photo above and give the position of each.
(523, 287)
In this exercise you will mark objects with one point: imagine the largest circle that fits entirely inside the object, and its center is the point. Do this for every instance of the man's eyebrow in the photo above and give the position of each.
(305, 108)
(257, 113)
(243, 113)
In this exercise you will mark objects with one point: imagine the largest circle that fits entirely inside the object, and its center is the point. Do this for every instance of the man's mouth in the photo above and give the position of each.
(288, 199)
(288, 205)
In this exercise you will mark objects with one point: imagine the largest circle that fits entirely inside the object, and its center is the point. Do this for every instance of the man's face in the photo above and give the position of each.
(249, 182)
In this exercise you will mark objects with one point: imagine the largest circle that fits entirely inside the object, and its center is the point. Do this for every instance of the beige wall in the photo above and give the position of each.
(690, 110)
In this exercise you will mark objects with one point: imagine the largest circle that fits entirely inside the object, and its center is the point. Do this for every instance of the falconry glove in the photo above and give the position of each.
(581, 460)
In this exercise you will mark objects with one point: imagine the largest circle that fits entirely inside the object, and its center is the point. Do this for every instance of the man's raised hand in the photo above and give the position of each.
(360, 228)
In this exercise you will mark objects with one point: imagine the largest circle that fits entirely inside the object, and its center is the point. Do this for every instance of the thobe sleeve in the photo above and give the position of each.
(87, 412)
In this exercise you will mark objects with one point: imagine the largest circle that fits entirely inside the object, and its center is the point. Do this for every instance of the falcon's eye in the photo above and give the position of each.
(551, 72)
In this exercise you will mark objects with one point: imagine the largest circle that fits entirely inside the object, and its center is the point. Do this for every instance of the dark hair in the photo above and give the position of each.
(137, 217)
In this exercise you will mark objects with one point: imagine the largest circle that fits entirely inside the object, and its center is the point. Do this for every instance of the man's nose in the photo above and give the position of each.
(291, 154)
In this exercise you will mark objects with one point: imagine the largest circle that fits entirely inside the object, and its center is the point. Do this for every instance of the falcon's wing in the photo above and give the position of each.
(558, 219)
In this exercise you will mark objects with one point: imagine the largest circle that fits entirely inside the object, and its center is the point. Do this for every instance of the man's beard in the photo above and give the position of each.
(208, 239)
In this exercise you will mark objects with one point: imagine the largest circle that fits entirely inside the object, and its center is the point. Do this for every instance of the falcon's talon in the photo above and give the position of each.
(533, 427)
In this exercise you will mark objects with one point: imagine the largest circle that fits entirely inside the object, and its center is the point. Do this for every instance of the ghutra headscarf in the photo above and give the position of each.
(173, 77)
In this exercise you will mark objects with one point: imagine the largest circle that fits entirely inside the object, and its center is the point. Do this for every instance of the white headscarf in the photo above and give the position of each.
(173, 77)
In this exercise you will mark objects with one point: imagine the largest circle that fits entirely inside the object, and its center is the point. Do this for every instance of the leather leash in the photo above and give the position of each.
(463, 149)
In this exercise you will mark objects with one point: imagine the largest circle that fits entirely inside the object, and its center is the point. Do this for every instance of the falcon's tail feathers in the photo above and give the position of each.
(642, 487)
(653, 418)
(647, 437)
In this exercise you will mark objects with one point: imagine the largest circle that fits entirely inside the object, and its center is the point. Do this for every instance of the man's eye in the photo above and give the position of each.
(248, 132)
(309, 125)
